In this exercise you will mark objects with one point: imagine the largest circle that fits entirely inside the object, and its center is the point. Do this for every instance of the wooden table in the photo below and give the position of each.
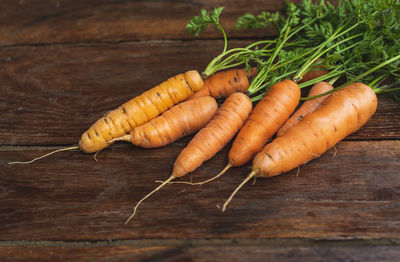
(63, 64)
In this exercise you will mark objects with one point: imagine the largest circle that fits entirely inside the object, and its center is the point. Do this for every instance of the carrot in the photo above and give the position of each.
(308, 106)
(210, 139)
(343, 113)
(310, 75)
(269, 114)
(225, 83)
(266, 118)
(316, 72)
(179, 121)
(139, 110)
(135, 112)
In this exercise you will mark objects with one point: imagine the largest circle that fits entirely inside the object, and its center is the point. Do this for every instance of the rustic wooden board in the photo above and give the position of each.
(354, 194)
(63, 64)
(190, 253)
(69, 87)
(77, 21)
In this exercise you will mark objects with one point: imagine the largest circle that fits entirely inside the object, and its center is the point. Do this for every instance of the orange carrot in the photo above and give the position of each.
(343, 113)
(139, 110)
(310, 75)
(179, 121)
(316, 71)
(269, 114)
(308, 106)
(225, 83)
(210, 139)
(135, 112)
(266, 118)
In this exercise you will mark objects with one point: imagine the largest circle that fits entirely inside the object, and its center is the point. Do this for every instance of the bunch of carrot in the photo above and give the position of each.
(344, 48)
(275, 71)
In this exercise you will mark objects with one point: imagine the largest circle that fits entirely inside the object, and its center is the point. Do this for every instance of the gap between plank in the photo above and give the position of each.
(289, 242)
(117, 42)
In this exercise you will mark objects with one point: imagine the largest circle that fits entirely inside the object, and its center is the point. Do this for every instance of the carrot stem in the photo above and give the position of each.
(252, 174)
(148, 195)
(376, 90)
(305, 68)
(46, 155)
(380, 91)
(335, 74)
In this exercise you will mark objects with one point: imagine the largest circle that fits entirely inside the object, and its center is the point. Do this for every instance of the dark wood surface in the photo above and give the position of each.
(177, 252)
(77, 21)
(63, 64)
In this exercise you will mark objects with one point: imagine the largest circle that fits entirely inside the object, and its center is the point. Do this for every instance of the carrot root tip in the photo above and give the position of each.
(335, 151)
(146, 196)
(298, 171)
(251, 175)
(95, 156)
(45, 155)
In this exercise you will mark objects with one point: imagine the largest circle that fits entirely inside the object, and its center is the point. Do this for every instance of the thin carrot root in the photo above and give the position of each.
(121, 138)
(254, 181)
(335, 151)
(228, 166)
(250, 176)
(46, 155)
(95, 156)
(148, 195)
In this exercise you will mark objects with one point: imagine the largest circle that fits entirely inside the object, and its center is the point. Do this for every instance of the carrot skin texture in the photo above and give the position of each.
(179, 121)
(312, 75)
(268, 115)
(316, 72)
(343, 113)
(140, 110)
(229, 118)
(225, 83)
(308, 106)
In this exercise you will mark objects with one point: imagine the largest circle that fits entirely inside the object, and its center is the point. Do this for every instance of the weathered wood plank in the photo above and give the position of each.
(354, 194)
(31, 21)
(189, 253)
(69, 87)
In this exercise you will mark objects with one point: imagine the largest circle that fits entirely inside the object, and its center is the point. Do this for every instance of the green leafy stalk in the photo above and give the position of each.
(198, 24)
(360, 77)
(227, 58)
(348, 39)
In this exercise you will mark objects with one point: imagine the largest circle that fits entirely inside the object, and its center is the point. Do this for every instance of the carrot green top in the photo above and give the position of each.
(357, 40)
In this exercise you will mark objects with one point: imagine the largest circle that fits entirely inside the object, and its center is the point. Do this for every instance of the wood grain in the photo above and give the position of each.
(77, 21)
(68, 87)
(354, 194)
(63, 64)
(190, 253)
